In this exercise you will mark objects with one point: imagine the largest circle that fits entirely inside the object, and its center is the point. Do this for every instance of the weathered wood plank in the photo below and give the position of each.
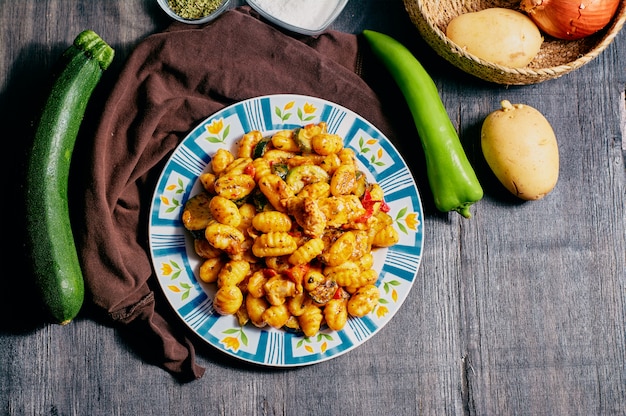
(520, 310)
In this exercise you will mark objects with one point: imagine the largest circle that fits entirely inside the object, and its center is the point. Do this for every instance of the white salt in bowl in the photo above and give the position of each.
(308, 17)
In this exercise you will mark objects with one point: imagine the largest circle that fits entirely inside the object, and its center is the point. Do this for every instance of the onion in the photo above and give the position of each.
(570, 19)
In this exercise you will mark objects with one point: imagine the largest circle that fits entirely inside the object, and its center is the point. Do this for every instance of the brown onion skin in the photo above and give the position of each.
(565, 19)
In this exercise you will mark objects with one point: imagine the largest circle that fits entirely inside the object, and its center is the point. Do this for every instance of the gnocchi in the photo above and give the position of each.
(210, 269)
(311, 320)
(363, 301)
(269, 221)
(336, 313)
(225, 211)
(286, 226)
(228, 300)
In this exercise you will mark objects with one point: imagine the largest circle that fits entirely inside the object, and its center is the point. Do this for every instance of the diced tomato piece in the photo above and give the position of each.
(249, 170)
(368, 203)
(368, 214)
(269, 273)
(297, 273)
(338, 294)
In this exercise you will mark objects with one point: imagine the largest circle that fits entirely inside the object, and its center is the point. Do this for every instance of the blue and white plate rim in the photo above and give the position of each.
(175, 262)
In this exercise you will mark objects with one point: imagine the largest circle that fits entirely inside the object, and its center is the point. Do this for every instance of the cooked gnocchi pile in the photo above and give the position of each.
(285, 226)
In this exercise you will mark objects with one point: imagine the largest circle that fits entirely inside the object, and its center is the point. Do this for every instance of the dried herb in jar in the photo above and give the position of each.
(194, 9)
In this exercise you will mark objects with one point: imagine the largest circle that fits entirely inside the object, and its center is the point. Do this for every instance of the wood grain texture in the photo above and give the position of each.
(520, 310)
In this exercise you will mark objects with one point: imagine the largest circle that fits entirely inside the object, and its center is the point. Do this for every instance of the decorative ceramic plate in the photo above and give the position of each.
(176, 263)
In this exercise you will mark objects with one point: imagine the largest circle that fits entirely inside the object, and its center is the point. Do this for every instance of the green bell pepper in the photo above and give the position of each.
(452, 179)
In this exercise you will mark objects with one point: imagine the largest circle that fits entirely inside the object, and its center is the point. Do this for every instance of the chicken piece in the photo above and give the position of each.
(340, 210)
(307, 214)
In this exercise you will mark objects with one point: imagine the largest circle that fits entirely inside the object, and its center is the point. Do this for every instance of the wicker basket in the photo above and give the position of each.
(556, 57)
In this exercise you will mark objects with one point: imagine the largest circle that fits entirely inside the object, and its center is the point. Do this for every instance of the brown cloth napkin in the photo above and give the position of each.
(170, 82)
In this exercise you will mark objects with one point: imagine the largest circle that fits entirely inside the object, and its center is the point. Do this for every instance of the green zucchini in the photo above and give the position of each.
(56, 266)
(280, 169)
(261, 147)
(259, 200)
(303, 135)
(197, 215)
(300, 176)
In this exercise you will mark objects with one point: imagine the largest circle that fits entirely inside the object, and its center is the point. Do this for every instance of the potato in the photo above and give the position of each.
(520, 147)
(502, 36)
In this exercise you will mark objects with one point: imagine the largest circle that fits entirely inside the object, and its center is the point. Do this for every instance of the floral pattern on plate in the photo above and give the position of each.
(176, 264)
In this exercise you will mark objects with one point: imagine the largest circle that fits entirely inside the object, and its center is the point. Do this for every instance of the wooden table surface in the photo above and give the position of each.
(520, 310)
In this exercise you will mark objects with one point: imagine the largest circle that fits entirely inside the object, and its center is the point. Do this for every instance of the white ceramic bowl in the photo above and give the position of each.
(326, 17)
(166, 8)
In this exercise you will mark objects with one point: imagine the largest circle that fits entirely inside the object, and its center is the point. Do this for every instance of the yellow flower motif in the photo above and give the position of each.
(289, 105)
(394, 295)
(382, 311)
(166, 269)
(174, 289)
(371, 141)
(165, 200)
(308, 348)
(216, 126)
(380, 153)
(309, 108)
(324, 347)
(411, 221)
(170, 187)
(231, 343)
